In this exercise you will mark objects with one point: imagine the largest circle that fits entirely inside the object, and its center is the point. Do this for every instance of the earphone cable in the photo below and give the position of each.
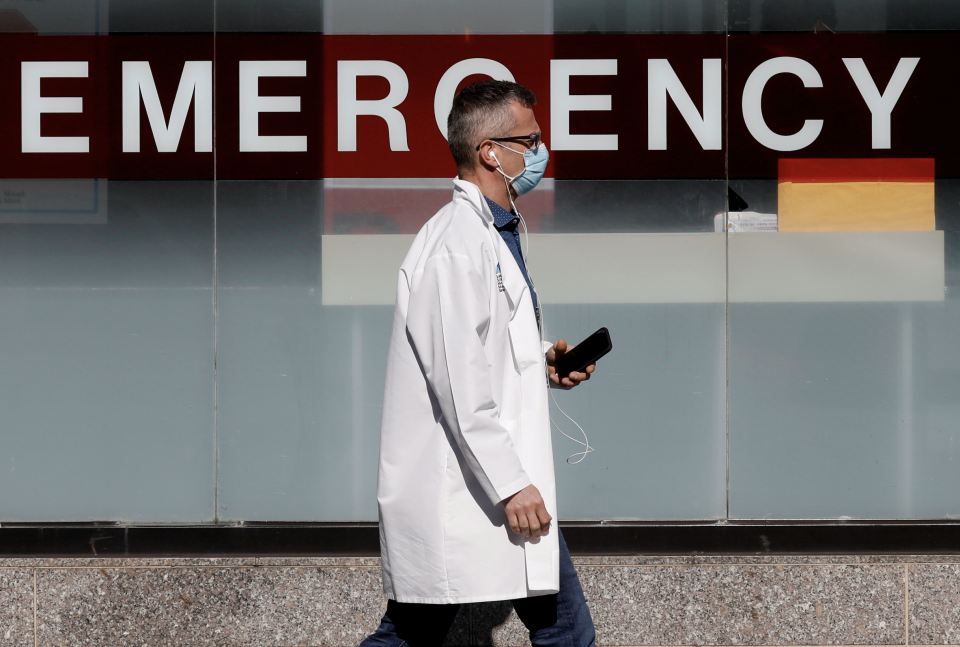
(587, 449)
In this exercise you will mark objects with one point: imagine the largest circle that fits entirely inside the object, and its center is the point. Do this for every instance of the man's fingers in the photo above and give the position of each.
(556, 351)
(576, 378)
(524, 523)
(544, 517)
(534, 525)
(526, 513)
(514, 523)
(571, 380)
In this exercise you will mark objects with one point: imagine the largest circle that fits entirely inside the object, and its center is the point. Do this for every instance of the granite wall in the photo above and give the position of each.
(835, 600)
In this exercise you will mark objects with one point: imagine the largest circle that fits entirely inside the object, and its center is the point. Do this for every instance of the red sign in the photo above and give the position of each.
(312, 106)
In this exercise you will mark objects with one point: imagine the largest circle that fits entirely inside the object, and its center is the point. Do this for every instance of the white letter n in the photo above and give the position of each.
(661, 81)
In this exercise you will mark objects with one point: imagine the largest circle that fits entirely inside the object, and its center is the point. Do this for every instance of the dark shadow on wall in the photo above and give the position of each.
(804, 16)
(923, 14)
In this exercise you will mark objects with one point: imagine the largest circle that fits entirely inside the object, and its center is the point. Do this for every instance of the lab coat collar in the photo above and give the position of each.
(513, 282)
(465, 191)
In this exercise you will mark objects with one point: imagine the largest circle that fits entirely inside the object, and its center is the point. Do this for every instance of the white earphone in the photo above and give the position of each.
(587, 449)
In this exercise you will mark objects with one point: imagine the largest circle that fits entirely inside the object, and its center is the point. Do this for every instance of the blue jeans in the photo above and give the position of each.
(558, 620)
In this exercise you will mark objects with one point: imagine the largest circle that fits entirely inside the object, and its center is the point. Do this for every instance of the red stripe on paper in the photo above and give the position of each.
(856, 170)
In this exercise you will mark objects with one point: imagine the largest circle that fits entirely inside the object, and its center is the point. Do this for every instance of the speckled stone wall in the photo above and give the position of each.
(837, 600)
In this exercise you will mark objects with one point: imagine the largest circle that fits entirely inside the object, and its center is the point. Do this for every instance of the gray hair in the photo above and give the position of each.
(481, 111)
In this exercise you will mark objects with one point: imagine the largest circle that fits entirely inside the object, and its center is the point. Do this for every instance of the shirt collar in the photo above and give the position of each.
(501, 217)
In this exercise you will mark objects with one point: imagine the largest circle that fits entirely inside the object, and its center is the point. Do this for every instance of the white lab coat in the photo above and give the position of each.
(465, 419)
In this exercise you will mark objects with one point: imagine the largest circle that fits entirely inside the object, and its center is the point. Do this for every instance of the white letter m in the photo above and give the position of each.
(196, 82)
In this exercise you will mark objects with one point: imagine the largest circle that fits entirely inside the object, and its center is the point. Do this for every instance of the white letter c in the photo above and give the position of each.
(753, 94)
(443, 99)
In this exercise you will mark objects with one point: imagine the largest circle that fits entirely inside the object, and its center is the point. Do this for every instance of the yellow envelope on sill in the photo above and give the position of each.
(893, 194)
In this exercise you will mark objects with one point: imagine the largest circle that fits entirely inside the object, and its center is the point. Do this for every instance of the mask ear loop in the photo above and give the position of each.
(506, 182)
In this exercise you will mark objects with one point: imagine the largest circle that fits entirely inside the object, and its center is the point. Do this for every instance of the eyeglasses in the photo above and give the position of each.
(532, 142)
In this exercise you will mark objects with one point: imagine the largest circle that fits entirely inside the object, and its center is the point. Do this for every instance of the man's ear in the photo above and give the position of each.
(488, 157)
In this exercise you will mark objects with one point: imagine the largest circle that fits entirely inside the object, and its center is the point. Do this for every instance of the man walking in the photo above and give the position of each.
(466, 485)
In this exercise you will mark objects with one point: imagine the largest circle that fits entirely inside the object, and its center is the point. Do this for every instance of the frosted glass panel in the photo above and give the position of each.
(300, 381)
(107, 375)
(213, 350)
(107, 405)
(842, 410)
(300, 389)
(842, 354)
(300, 385)
(653, 411)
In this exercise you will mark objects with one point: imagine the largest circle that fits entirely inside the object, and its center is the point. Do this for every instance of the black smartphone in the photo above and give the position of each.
(585, 353)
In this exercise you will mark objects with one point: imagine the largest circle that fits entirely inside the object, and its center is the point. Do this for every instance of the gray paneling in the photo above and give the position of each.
(53, 17)
(838, 15)
(653, 411)
(166, 16)
(268, 233)
(638, 16)
(156, 234)
(643, 206)
(299, 385)
(106, 405)
(269, 15)
(438, 17)
(300, 388)
(844, 410)
(837, 266)
(668, 268)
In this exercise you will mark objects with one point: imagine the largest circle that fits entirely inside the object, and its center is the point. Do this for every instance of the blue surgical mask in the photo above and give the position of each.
(534, 166)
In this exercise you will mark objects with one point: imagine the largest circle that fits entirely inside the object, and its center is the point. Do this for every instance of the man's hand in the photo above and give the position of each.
(557, 351)
(526, 513)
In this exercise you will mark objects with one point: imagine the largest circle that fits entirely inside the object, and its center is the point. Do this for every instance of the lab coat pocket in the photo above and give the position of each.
(525, 345)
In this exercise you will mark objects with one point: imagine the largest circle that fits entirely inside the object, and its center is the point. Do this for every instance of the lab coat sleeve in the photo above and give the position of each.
(447, 319)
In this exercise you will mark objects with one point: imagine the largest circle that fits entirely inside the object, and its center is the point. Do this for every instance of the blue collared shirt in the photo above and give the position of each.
(508, 226)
